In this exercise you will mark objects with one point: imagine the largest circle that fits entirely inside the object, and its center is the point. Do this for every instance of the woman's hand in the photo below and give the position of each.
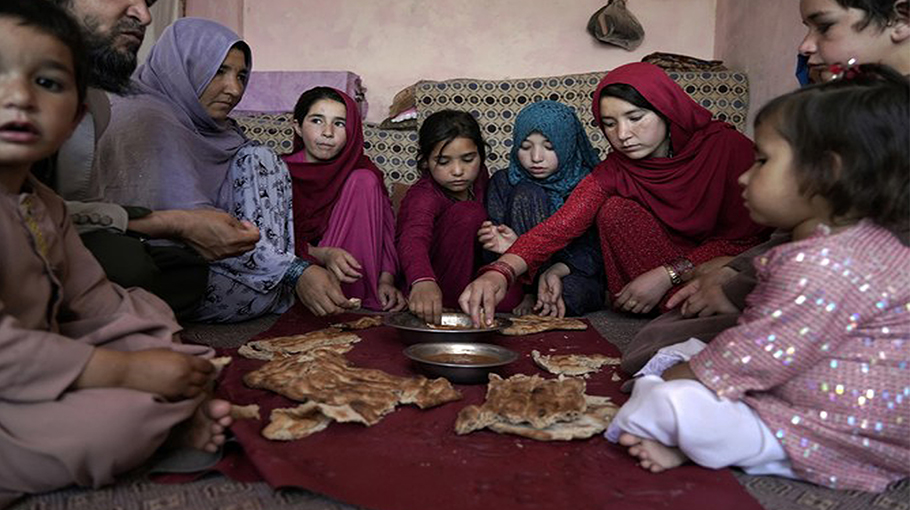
(391, 299)
(480, 297)
(496, 238)
(704, 295)
(337, 260)
(642, 294)
(425, 301)
(526, 305)
(319, 291)
(549, 291)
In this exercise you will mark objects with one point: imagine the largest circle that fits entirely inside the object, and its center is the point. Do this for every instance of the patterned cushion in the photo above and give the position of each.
(496, 103)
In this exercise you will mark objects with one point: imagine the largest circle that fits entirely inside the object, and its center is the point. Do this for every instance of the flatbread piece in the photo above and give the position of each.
(344, 392)
(365, 322)
(572, 364)
(530, 324)
(538, 408)
(270, 348)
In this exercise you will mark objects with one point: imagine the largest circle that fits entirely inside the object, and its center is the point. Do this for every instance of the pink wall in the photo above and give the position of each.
(760, 38)
(227, 12)
(394, 44)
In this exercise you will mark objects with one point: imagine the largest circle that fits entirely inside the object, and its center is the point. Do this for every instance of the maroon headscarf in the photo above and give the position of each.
(694, 193)
(317, 185)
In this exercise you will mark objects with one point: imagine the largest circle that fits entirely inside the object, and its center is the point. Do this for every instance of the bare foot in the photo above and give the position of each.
(652, 455)
(205, 430)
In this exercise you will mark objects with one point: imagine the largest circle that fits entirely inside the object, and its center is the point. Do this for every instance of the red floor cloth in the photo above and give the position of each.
(413, 460)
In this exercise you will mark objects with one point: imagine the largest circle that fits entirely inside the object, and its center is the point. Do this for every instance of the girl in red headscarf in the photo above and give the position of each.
(665, 200)
(343, 220)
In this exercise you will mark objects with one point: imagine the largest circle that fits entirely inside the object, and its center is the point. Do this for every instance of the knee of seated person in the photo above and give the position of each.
(616, 210)
(362, 180)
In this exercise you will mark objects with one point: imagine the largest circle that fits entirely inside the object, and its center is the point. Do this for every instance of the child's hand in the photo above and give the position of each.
(642, 294)
(173, 375)
(390, 297)
(549, 292)
(425, 301)
(526, 306)
(496, 238)
(341, 263)
(320, 292)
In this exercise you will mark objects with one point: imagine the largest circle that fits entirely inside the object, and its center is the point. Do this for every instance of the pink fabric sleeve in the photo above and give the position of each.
(796, 316)
(416, 219)
(572, 220)
(389, 262)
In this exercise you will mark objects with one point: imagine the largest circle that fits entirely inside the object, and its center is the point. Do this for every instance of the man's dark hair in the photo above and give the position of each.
(50, 19)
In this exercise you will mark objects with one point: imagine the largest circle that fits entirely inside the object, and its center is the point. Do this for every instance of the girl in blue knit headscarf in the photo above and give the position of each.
(575, 156)
(550, 155)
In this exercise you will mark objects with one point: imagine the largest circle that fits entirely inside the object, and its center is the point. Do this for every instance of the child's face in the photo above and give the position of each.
(772, 192)
(225, 90)
(832, 38)
(39, 104)
(323, 130)
(456, 166)
(636, 132)
(537, 156)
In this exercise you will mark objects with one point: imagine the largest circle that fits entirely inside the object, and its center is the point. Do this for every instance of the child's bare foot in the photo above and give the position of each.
(652, 455)
(205, 430)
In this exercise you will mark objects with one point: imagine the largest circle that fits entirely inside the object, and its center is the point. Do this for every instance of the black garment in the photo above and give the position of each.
(524, 206)
(176, 274)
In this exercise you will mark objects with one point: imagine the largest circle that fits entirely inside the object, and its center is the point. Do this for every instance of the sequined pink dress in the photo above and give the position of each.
(821, 353)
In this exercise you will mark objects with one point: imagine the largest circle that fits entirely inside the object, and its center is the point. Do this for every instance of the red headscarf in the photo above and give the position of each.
(694, 193)
(317, 185)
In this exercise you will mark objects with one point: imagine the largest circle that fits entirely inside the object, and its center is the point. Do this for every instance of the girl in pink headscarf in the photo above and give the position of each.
(343, 220)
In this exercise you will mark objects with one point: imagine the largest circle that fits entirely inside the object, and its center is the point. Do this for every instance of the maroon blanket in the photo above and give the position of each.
(413, 460)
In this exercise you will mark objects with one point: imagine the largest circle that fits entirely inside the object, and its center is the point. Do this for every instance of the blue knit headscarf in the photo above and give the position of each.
(562, 128)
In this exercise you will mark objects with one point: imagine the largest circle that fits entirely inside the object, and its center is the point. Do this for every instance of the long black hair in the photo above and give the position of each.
(445, 126)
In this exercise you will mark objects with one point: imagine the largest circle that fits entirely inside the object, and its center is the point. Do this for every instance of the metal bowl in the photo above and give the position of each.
(461, 363)
(456, 327)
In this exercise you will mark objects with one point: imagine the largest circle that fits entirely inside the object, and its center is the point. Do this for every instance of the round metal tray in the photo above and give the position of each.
(412, 329)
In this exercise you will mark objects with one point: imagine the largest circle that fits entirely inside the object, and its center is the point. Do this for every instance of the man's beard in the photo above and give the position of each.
(112, 67)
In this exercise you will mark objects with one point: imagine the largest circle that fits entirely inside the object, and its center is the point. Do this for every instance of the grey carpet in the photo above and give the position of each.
(215, 492)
